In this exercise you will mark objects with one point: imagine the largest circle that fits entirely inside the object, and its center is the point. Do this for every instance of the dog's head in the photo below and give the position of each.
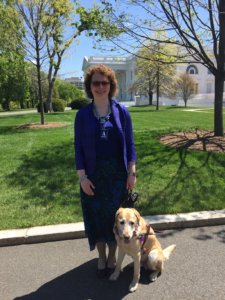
(127, 221)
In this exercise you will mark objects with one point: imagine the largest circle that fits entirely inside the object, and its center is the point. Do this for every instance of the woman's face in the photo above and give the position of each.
(100, 86)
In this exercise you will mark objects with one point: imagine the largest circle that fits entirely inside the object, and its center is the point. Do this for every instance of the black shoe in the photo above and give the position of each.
(109, 271)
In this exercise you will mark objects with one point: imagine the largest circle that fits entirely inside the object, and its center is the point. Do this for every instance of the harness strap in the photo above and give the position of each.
(144, 237)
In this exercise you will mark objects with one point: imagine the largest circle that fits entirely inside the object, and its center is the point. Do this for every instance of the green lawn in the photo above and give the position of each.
(39, 185)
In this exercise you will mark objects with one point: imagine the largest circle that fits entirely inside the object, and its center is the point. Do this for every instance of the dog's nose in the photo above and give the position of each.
(126, 237)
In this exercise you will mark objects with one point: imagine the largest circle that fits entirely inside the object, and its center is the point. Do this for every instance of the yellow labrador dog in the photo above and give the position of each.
(136, 238)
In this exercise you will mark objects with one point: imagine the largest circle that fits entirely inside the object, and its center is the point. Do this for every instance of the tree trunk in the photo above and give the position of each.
(218, 105)
(40, 98)
(220, 74)
(21, 104)
(50, 93)
(150, 94)
(5, 104)
(157, 91)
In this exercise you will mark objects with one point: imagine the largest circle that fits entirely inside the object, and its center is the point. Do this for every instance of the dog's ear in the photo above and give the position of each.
(137, 215)
(118, 212)
(115, 230)
(137, 225)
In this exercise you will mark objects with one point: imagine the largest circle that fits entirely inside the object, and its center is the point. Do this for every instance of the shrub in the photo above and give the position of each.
(58, 105)
(79, 103)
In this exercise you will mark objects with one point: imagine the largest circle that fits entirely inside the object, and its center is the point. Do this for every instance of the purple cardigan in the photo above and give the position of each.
(84, 140)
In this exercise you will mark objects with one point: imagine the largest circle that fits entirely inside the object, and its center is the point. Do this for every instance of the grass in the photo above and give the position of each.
(38, 180)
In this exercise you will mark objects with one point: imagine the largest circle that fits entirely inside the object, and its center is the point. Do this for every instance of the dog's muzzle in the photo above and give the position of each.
(126, 239)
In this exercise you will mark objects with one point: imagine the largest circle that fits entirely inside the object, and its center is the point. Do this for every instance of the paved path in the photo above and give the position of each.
(65, 270)
(15, 113)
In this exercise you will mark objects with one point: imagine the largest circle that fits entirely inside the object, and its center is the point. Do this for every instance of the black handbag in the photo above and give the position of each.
(130, 198)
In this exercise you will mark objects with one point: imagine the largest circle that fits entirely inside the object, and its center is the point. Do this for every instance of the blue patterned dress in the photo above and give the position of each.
(109, 180)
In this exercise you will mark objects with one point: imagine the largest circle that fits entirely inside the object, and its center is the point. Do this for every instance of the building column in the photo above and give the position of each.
(121, 78)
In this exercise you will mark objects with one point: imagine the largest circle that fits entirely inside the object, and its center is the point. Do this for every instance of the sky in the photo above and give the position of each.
(72, 63)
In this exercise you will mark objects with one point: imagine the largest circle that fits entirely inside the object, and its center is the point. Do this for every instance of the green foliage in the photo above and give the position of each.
(79, 103)
(68, 91)
(96, 20)
(11, 29)
(33, 84)
(155, 61)
(58, 105)
(185, 86)
(13, 80)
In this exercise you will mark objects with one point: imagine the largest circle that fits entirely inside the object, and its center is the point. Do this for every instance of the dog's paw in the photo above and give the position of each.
(114, 275)
(133, 287)
(153, 276)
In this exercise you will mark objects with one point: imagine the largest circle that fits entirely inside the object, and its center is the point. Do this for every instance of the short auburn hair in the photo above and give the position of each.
(103, 70)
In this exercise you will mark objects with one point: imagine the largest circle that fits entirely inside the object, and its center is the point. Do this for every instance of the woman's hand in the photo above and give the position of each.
(87, 186)
(131, 181)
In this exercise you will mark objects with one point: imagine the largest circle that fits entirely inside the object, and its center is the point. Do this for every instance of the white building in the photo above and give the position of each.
(76, 81)
(124, 68)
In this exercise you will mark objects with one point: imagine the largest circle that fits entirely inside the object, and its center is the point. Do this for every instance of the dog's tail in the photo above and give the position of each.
(168, 250)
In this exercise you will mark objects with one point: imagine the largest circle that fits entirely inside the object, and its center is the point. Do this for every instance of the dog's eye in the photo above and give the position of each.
(132, 223)
(122, 222)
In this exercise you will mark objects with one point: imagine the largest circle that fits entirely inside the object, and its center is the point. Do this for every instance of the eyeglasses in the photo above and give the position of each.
(98, 83)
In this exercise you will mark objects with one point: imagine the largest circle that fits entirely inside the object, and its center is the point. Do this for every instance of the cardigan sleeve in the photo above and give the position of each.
(129, 137)
(79, 155)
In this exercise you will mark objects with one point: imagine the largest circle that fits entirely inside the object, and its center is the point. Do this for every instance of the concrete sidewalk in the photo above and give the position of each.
(48, 233)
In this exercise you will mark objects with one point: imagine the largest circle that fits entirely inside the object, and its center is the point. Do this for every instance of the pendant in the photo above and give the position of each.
(104, 133)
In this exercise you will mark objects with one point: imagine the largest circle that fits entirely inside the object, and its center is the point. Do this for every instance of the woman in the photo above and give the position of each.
(105, 161)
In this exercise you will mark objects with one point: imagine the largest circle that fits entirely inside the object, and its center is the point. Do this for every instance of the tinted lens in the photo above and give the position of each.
(98, 83)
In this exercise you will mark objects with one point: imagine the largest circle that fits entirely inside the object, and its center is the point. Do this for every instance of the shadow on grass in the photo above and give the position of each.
(8, 130)
(169, 180)
(187, 180)
(48, 176)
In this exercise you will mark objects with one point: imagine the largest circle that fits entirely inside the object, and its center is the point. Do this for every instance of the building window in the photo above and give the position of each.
(192, 70)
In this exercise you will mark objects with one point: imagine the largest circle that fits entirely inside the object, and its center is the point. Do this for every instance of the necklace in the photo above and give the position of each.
(102, 119)
(103, 122)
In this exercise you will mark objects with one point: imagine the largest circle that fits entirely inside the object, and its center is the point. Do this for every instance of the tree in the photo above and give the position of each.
(35, 38)
(11, 29)
(46, 23)
(185, 86)
(155, 72)
(13, 80)
(33, 84)
(196, 27)
(62, 15)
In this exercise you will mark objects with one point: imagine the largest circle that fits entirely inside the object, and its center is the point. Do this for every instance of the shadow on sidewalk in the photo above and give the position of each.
(81, 284)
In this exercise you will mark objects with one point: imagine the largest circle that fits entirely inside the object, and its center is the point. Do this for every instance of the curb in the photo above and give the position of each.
(41, 234)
